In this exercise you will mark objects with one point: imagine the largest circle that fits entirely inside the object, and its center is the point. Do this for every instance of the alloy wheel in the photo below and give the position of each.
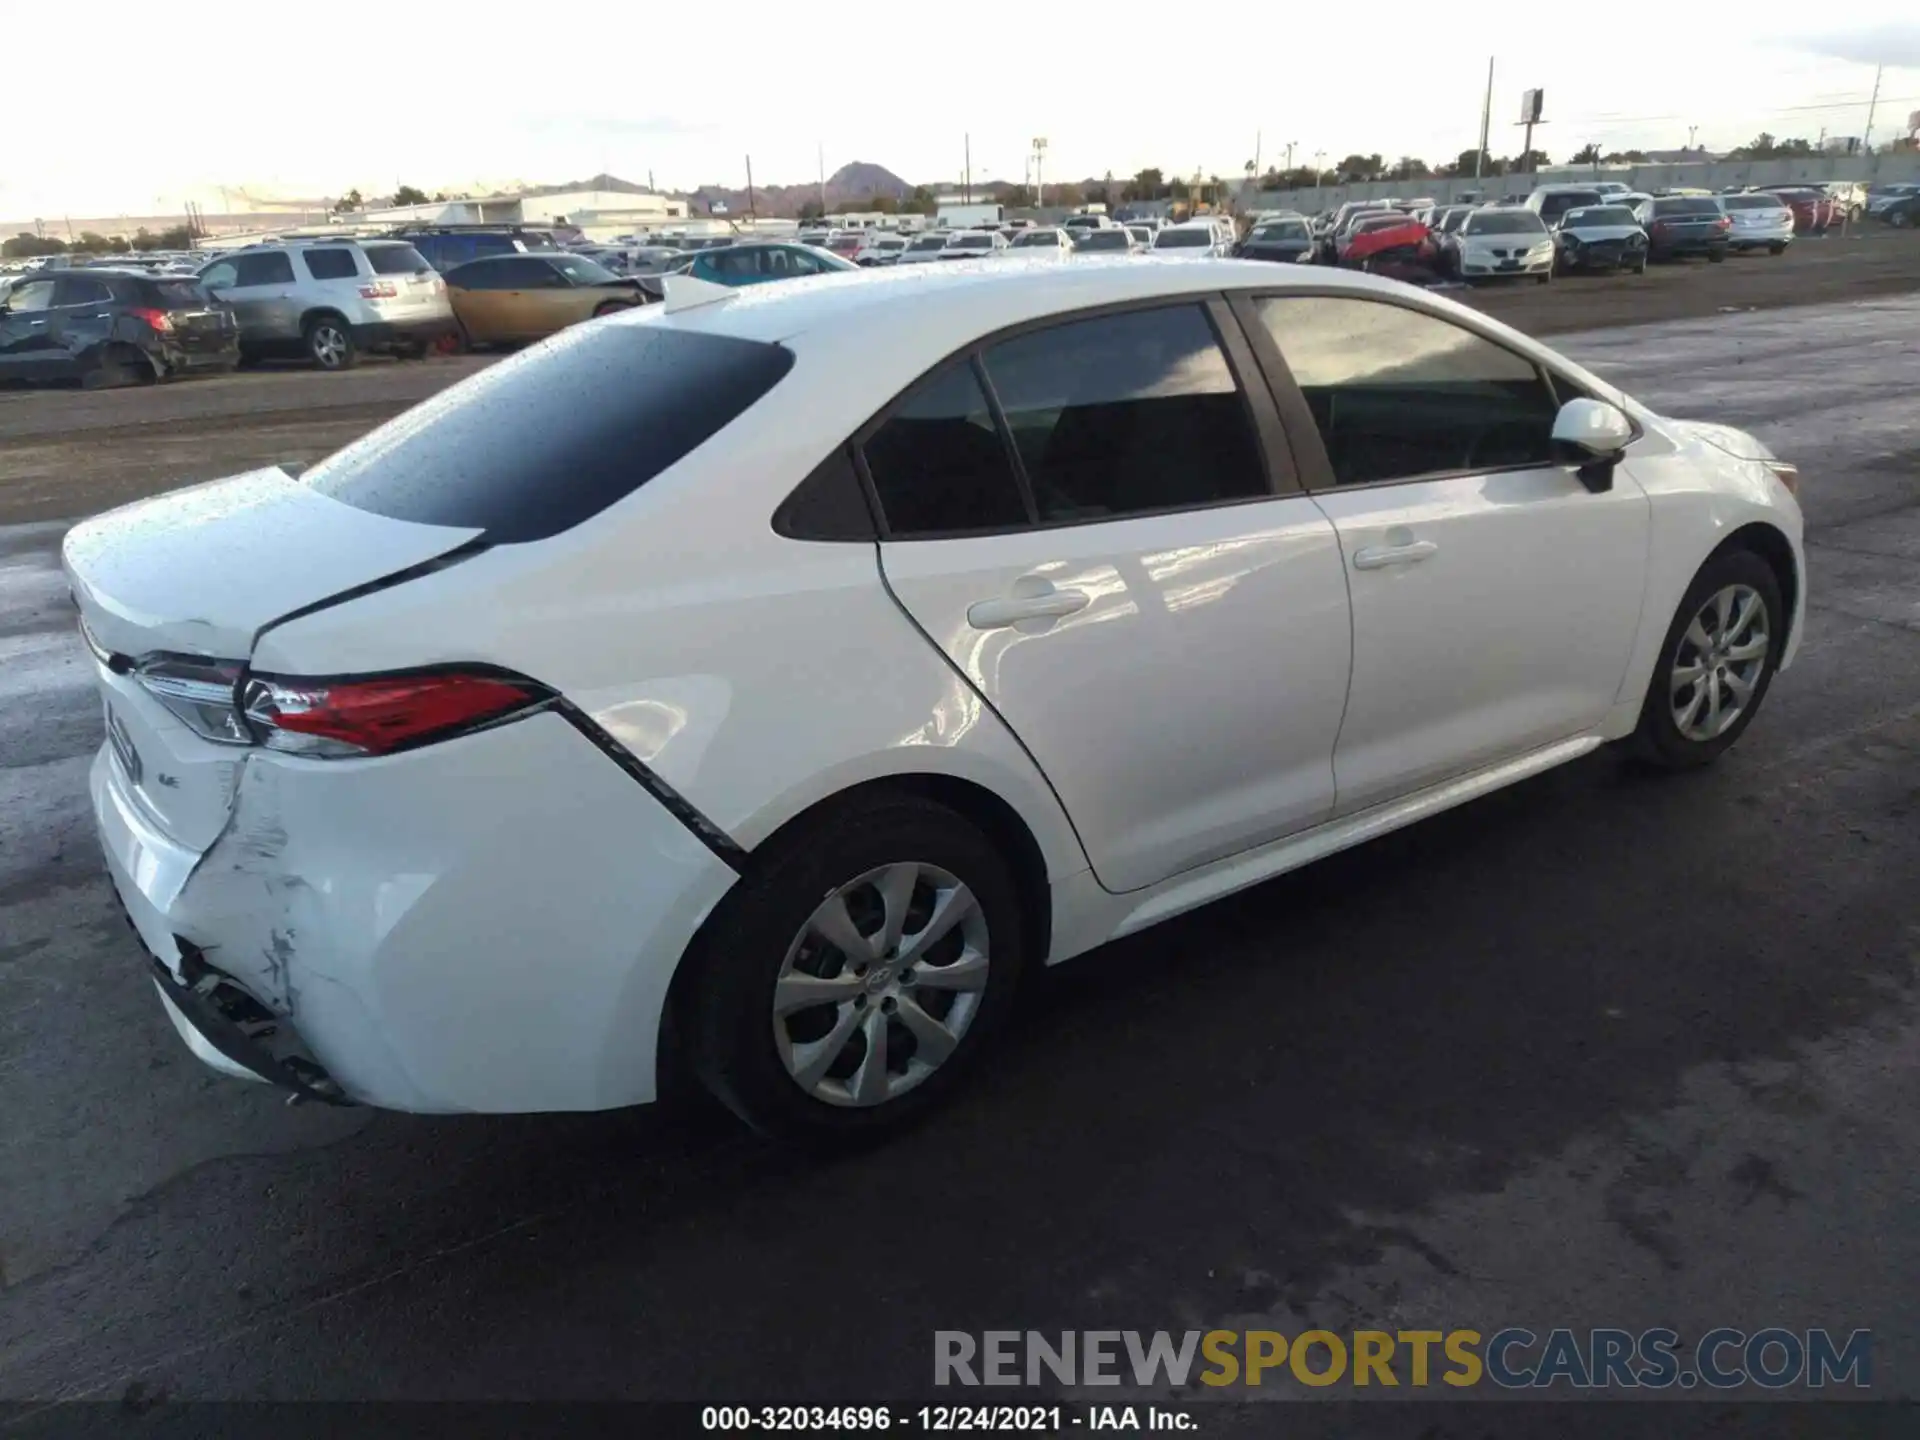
(881, 984)
(1719, 662)
(329, 346)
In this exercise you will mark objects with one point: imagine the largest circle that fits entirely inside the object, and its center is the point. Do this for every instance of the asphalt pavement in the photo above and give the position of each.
(1601, 1049)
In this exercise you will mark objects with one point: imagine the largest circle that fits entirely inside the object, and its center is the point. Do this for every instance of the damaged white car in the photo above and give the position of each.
(765, 679)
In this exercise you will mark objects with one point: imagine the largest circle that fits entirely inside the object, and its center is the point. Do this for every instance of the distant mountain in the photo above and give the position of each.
(859, 180)
(610, 184)
(848, 186)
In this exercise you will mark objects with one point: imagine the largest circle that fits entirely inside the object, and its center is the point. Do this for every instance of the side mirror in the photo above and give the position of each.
(1590, 435)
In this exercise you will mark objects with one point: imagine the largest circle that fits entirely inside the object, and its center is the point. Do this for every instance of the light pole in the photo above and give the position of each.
(1290, 145)
(1039, 171)
(1319, 174)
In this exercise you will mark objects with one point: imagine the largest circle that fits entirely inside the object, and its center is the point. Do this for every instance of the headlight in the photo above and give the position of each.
(1787, 474)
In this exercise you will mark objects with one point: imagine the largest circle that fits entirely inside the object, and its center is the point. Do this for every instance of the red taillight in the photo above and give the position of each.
(158, 319)
(381, 713)
(1725, 222)
(380, 290)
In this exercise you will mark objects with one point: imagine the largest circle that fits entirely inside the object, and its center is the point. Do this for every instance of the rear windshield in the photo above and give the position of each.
(396, 260)
(188, 294)
(929, 242)
(1683, 207)
(973, 242)
(1600, 215)
(1753, 202)
(1551, 205)
(1183, 239)
(1502, 222)
(1281, 230)
(534, 445)
(1038, 237)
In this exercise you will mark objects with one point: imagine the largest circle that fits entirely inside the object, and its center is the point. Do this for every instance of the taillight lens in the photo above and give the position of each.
(199, 693)
(158, 319)
(377, 714)
(380, 290)
(1723, 223)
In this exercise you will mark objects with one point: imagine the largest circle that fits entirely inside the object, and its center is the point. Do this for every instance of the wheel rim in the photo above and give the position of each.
(1718, 663)
(881, 984)
(329, 345)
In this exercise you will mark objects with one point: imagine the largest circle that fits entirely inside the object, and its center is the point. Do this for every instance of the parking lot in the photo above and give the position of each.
(1597, 1050)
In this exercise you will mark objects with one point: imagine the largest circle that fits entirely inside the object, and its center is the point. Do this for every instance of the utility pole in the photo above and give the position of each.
(1290, 145)
(1256, 152)
(820, 161)
(1486, 120)
(1039, 171)
(1692, 130)
(1866, 136)
(966, 183)
(752, 214)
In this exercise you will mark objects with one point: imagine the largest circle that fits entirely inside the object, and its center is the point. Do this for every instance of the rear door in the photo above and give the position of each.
(1095, 520)
(82, 316)
(259, 287)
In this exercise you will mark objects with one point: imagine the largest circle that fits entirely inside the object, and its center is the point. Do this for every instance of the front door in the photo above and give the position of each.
(27, 350)
(1495, 598)
(1114, 574)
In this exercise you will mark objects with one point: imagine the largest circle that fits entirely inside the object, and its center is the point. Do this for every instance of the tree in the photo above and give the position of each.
(1627, 157)
(1586, 155)
(349, 201)
(1467, 162)
(1146, 185)
(25, 247)
(1529, 162)
(1066, 194)
(812, 210)
(1016, 197)
(407, 195)
(174, 237)
(1360, 167)
(1764, 147)
(1407, 167)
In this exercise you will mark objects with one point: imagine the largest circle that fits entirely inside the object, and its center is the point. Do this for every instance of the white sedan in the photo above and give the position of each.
(687, 688)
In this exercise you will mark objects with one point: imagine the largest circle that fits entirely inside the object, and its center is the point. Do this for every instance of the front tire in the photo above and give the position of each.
(857, 972)
(1715, 664)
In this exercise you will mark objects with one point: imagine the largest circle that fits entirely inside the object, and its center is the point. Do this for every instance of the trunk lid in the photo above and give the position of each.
(199, 573)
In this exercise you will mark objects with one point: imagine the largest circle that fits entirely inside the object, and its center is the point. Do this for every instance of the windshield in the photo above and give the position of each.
(396, 260)
(1038, 237)
(1503, 222)
(1551, 205)
(1106, 240)
(1182, 239)
(185, 294)
(1753, 202)
(1681, 209)
(1281, 230)
(973, 242)
(582, 271)
(929, 242)
(1601, 215)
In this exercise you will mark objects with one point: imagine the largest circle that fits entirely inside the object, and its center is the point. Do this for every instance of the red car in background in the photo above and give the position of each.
(1387, 238)
(1813, 210)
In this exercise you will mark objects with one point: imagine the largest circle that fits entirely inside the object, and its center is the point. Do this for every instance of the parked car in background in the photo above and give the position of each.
(1503, 241)
(1044, 240)
(1074, 224)
(1903, 213)
(1761, 221)
(1142, 233)
(333, 300)
(106, 327)
(1849, 198)
(1343, 219)
(445, 246)
(1879, 197)
(1113, 240)
(754, 263)
(1600, 237)
(1285, 240)
(1190, 240)
(924, 248)
(1550, 202)
(974, 245)
(1391, 238)
(846, 244)
(498, 752)
(1681, 225)
(514, 299)
(1814, 211)
(880, 247)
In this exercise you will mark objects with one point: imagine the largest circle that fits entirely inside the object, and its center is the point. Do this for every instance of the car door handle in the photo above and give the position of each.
(1379, 557)
(36, 324)
(1049, 604)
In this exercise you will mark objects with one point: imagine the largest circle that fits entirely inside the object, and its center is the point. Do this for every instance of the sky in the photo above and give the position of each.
(479, 96)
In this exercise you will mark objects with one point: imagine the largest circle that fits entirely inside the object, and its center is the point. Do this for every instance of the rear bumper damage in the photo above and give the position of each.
(485, 925)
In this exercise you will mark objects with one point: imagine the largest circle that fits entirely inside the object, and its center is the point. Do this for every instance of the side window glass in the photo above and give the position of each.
(938, 463)
(1396, 393)
(78, 290)
(1125, 414)
(330, 264)
(221, 275)
(269, 268)
(33, 295)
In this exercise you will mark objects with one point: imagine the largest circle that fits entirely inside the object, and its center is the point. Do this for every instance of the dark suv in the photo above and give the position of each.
(113, 327)
(446, 246)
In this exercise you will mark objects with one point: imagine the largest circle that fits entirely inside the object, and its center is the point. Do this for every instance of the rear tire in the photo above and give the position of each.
(1776, 249)
(610, 307)
(1716, 257)
(1660, 740)
(330, 343)
(803, 1072)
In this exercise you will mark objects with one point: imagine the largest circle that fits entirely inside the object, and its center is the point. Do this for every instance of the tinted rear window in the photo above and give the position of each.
(536, 444)
(1183, 239)
(1682, 209)
(187, 294)
(396, 260)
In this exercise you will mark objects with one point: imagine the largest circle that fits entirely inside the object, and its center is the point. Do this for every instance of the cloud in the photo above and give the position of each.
(1895, 43)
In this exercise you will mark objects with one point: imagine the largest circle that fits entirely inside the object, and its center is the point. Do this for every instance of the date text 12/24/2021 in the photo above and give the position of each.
(943, 1419)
